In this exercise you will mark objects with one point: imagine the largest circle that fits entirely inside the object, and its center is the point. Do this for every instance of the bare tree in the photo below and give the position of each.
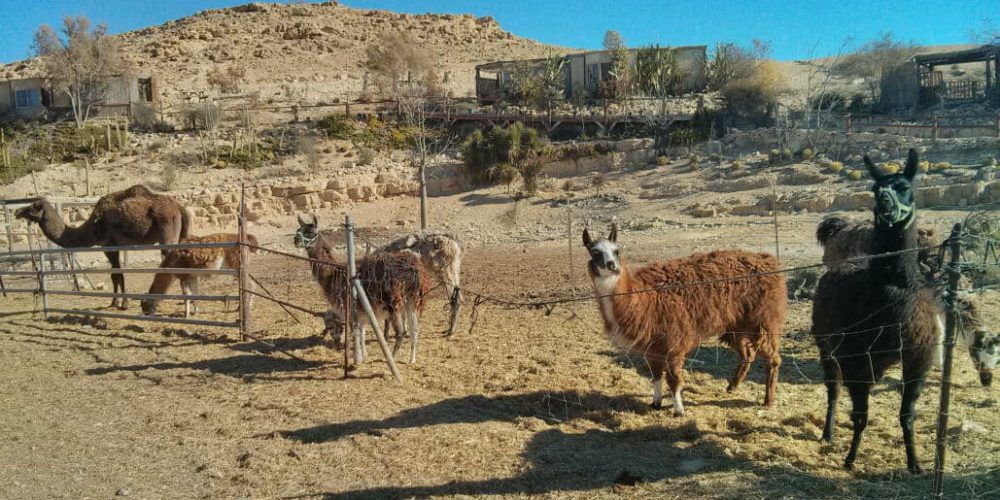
(80, 60)
(408, 73)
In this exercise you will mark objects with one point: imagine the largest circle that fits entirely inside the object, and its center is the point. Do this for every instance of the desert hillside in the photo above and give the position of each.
(305, 52)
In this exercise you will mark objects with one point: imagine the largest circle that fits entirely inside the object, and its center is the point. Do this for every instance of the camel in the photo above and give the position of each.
(134, 216)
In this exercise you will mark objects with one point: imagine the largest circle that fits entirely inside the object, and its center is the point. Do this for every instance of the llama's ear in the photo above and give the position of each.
(911, 165)
(302, 221)
(614, 233)
(872, 169)
(315, 219)
(587, 242)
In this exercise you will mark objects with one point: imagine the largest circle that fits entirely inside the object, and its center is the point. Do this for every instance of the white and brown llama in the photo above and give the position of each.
(869, 319)
(195, 258)
(395, 283)
(843, 240)
(664, 310)
(441, 255)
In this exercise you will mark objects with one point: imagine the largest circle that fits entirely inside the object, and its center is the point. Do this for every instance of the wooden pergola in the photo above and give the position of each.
(988, 54)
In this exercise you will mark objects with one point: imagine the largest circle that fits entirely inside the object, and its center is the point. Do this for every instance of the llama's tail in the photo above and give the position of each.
(830, 227)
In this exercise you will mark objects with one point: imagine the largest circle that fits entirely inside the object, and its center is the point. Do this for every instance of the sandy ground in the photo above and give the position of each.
(526, 404)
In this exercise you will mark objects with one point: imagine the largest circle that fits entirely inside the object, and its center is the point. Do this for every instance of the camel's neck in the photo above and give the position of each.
(65, 236)
(901, 269)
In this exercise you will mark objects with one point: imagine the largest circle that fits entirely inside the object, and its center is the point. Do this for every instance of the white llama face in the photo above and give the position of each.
(604, 258)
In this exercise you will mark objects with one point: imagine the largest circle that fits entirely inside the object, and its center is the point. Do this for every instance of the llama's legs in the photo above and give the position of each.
(117, 281)
(831, 376)
(456, 306)
(656, 364)
(772, 360)
(675, 368)
(193, 290)
(399, 328)
(859, 392)
(913, 384)
(414, 329)
(747, 352)
(187, 290)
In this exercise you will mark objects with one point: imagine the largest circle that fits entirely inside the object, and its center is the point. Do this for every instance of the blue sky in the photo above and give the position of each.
(797, 28)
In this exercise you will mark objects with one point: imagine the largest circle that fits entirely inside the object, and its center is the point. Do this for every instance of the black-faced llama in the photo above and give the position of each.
(844, 240)
(866, 320)
(664, 310)
(395, 283)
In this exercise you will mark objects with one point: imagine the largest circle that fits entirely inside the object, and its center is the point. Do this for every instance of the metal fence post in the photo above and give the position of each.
(949, 347)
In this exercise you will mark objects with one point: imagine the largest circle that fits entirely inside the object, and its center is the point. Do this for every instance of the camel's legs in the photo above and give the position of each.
(117, 280)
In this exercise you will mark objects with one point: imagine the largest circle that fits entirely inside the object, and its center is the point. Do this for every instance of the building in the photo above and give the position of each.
(585, 71)
(920, 82)
(36, 98)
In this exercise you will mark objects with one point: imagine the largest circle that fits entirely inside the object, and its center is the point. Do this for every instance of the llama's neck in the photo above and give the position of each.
(608, 289)
(903, 269)
(53, 227)
(161, 284)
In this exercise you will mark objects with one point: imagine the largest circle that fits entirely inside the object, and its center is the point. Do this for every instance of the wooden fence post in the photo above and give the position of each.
(934, 126)
(847, 123)
(997, 124)
(244, 281)
(951, 321)
(357, 339)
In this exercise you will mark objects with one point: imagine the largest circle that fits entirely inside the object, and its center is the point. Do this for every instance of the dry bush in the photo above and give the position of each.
(168, 176)
(874, 59)
(754, 97)
(366, 156)
(400, 64)
(228, 80)
(307, 146)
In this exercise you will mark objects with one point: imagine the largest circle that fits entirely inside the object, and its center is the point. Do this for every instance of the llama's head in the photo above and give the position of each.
(604, 259)
(308, 232)
(985, 351)
(32, 213)
(894, 202)
(148, 307)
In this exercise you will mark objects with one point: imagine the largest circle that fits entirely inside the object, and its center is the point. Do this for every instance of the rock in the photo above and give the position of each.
(801, 178)
(122, 492)
(742, 184)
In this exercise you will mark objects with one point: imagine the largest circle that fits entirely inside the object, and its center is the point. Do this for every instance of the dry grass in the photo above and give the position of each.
(525, 405)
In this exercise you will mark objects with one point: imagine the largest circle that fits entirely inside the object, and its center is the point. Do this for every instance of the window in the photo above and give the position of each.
(146, 89)
(28, 98)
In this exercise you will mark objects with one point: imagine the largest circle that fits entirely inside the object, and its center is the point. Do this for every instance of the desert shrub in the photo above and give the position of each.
(807, 154)
(598, 181)
(924, 166)
(786, 154)
(836, 167)
(662, 160)
(753, 97)
(714, 157)
(493, 157)
(337, 126)
(568, 185)
(366, 156)
(307, 146)
(942, 165)
(168, 176)
(205, 116)
(227, 80)
(890, 168)
(855, 175)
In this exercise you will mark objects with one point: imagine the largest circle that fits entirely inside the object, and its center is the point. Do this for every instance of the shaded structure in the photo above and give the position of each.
(920, 83)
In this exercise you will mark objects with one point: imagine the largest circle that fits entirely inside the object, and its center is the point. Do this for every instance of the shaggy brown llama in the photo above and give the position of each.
(134, 216)
(441, 255)
(866, 320)
(395, 283)
(195, 258)
(664, 310)
(842, 239)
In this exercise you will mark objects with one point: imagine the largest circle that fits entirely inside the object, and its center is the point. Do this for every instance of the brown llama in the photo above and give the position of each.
(195, 258)
(134, 216)
(395, 283)
(867, 320)
(441, 255)
(842, 239)
(664, 310)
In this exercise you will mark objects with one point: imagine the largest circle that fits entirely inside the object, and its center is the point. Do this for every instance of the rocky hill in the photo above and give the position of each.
(304, 52)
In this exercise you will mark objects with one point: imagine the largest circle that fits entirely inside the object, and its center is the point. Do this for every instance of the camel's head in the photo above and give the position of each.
(894, 202)
(148, 307)
(985, 352)
(604, 259)
(308, 232)
(32, 213)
